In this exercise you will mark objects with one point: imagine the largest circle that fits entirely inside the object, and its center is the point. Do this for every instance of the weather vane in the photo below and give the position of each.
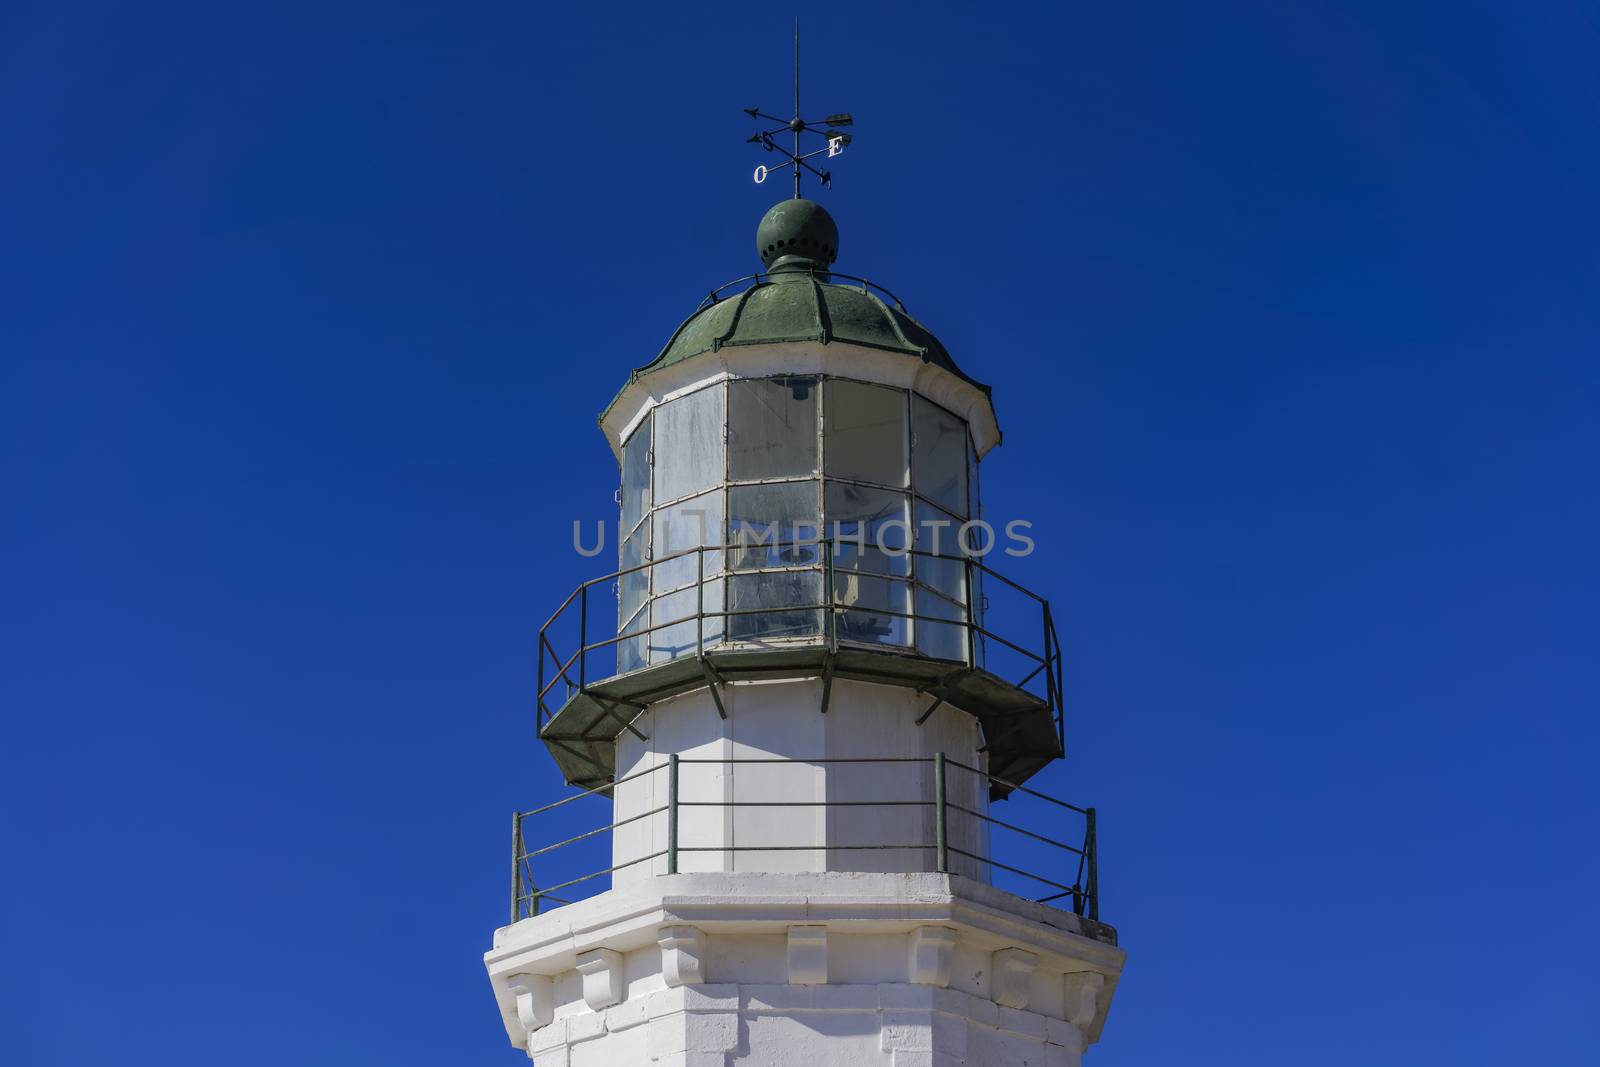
(828, 128)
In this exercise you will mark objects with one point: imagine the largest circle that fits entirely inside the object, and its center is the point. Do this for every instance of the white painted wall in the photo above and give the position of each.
(877, 1025)
(781, 720)
(805, 970)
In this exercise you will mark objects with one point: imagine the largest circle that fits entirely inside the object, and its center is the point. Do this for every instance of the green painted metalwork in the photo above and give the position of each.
(801, 300)
(797, 235)
(672, 813)
(1020, 711)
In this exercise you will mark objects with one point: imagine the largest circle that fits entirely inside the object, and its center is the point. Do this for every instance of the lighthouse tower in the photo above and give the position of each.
(800, 718)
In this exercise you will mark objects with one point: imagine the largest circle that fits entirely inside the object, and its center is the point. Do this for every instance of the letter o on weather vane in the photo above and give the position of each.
(761, 175)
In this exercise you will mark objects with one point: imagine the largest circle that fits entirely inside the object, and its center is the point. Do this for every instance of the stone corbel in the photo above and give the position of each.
(931, 950)
(601, 969)
(683, 953)
(808, 955)
(534, 995)
(1083, 997)
(1011, 974)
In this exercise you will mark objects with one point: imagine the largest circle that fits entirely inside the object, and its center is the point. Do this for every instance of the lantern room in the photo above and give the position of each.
(799, 499)
(779, 469)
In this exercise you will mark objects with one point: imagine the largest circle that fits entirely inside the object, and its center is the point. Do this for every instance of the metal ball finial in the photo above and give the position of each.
(797, 234)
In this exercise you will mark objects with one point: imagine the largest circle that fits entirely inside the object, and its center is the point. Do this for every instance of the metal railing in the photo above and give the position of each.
(765, 278)
(1078, 880)
(565, 672)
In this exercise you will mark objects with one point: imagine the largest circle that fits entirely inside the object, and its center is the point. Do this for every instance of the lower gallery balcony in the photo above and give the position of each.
(752, 814)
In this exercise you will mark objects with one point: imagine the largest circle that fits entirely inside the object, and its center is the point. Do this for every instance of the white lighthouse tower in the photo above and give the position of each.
(812, 701)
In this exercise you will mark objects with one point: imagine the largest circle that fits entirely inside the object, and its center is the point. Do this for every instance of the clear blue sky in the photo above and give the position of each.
(306, 311)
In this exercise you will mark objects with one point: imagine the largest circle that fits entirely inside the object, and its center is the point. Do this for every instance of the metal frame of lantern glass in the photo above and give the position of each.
(773, 466)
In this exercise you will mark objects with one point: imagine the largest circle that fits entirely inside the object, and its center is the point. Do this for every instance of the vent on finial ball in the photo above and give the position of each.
(797, 235)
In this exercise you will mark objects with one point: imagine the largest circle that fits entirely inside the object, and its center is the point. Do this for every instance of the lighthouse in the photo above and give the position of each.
(806, 706)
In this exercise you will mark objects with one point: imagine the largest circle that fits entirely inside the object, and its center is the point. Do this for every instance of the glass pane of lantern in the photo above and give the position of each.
(867, 601)
(688, 444)
(683, 634)
(939, 532)
(934, 638)
(772, 428)
(685, 525)
(775, 525)
(980, 643)
(633, 586)
(939, 455)
(857, 513)
(866, 429)
(631, 650)
(784, 604)
(636, 477)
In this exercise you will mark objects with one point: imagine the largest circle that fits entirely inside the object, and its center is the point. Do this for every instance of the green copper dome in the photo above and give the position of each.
(799, 300)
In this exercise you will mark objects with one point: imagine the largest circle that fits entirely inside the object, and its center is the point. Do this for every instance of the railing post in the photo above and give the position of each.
(583, 636)
(672, 813)
(516, 865)
(941, 848)
(1092, 848)
(830, 621)
(972, 615)
(1052, 676)
(1049, 661)
(700, 602)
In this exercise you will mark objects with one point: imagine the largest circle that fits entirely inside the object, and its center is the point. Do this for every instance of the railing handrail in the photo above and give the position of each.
(1084, 890)
(591, 792)
(763, 278)
(1019, 788)
(968, 610)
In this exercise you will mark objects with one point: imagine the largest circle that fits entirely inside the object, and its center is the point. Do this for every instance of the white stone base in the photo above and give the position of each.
(809, 970)
(895, 1025)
